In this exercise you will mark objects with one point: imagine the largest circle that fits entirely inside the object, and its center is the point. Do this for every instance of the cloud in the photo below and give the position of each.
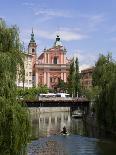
(67, 34)
(96, 20)
(90, 22)
(29, 4)
(86, 59)
(84, 66)
(93, 22)
(50, 13)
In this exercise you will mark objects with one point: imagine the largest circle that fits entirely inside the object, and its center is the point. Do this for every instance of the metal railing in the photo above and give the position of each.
(55, 98)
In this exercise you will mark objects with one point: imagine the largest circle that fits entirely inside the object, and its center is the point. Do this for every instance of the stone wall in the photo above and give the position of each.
(49, 109)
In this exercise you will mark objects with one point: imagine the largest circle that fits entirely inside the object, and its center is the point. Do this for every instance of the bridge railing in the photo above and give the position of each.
(61, 98)
(55, 98)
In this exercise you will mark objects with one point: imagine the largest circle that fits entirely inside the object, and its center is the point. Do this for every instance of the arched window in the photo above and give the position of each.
(55, 60)
(33, 50)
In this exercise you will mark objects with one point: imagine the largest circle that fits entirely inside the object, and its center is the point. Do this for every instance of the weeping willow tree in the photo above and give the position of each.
(14, 118)
(104, 77)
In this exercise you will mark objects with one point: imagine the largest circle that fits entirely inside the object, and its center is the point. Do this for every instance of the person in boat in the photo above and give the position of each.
(64, 131)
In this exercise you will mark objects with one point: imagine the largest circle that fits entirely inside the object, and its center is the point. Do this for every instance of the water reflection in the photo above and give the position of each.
(45, 127)
(46, 124)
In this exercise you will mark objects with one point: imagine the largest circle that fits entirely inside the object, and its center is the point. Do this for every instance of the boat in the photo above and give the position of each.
(65, 134)
(77, 114)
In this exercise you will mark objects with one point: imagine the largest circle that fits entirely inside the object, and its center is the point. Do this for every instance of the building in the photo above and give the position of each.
(29, 63)
(86, 78)
(52, 65)
(28, 72)
(49, 68)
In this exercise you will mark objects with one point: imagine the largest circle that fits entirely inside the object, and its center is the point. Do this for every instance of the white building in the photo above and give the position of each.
(28, 73)
(29, 62)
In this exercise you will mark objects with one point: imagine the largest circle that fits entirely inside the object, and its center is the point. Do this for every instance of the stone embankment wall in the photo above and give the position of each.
(49, 109)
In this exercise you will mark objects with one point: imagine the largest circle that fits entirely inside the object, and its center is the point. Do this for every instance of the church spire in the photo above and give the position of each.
(32, 37)
(32, 44)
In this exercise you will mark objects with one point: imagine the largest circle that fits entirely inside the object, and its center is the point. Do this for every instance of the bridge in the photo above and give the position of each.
(56, 102)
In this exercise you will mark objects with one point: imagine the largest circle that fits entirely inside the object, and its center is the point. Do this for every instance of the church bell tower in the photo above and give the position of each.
(32, 45)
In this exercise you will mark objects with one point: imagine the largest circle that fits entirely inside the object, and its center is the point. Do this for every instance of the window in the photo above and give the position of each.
(46, 58)
(29, 58)
(56, 79)
(52, 79)
(55, 60)
(30, 73)
(26, 81)
(33, 50)
(30, 82)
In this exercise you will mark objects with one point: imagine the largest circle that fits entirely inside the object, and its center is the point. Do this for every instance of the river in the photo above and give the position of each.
(46, 139)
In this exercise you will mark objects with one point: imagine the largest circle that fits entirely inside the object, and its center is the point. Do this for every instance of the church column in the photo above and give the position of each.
(48, 80)
(63, 58)
(36, 78)
(48, 58)
(64, 77)
(45, 58)
(44, 78)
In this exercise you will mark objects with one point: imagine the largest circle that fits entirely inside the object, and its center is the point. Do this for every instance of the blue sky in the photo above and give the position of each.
(86, 27)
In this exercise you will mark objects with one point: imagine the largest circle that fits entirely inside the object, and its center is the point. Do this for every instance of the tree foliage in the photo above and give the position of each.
(31, 93)
(62, 86)
(90, 93)
(77, 78)
(73, 80)
(104, 77)
(14, 118)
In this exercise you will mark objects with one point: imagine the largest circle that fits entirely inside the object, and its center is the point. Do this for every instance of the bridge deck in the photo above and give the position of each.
(57, 103)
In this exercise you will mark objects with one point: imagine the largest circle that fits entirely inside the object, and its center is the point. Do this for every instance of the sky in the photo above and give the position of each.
(87, 28)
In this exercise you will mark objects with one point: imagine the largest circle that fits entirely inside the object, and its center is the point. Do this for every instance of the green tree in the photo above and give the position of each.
(14, 118)
(104, 76)
(71, 79)
(91, 93)
(62, 86)
(31, 93)
(77, 78)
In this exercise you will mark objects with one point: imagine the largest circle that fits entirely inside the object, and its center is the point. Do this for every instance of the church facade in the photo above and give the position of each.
(50, 66)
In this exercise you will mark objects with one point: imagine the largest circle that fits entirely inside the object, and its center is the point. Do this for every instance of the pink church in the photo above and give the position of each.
(52, 64)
